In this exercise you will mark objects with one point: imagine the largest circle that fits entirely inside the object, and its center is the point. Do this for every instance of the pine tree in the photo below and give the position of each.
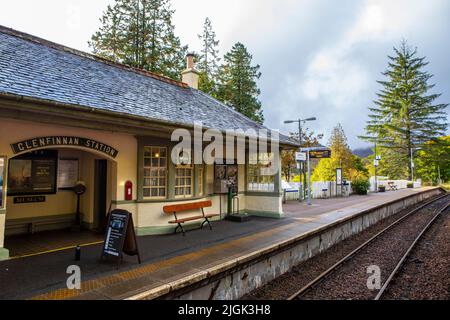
(209, 60)
(140, 33)
(404, 116)
(433, 161)
(237, 83)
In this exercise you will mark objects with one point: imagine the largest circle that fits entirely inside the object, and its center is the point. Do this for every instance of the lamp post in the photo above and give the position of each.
(376, 167)
(300, 121)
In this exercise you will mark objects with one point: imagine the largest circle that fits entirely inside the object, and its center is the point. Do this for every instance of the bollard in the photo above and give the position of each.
(77, 253)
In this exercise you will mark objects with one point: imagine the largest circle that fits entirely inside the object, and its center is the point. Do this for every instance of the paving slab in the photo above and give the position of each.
(169, 260)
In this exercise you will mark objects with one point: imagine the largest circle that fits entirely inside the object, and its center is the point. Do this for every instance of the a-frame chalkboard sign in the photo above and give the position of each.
(120, 237)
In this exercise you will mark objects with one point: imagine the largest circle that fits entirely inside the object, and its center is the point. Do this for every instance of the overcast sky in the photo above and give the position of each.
(318, 57)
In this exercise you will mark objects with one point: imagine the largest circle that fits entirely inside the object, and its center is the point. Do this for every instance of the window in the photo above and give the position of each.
(183, 181)
(260, 177)
(200, 177)
(155, 172)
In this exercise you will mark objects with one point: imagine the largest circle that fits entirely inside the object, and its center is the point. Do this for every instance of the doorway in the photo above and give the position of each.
(100, 192)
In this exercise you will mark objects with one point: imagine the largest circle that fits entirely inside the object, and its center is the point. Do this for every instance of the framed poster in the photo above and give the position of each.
(33, 174)
(339, 176)
(224, 174)
(2, 181)
(67, 173)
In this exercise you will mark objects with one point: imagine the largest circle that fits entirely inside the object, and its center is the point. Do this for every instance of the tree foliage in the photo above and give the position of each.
(433, 161)
(237, 83)
(208, 60)
(405, 115)
(341, 157)
(288, 163)
(140, 33)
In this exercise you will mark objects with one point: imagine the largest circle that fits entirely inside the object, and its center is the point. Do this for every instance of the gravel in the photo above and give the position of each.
(425, 275)
(350, 281)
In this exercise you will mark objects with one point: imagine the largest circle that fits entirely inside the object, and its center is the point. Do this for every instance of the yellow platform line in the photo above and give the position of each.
(56, 250)
(95, 284)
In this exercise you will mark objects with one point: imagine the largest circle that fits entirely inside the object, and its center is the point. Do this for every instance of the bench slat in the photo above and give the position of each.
(186, 207)
(193, 218)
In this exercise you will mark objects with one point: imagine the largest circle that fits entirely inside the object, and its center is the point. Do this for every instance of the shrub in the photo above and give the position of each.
(410, 185)
(360, 186)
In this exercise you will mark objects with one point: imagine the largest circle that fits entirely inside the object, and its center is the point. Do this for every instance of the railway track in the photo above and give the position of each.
(318, 287)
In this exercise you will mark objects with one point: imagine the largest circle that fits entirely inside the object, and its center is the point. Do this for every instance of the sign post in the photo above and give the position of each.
(300, 157)
(339, 180)
(314, 153)
(120, 237)
(309, 178)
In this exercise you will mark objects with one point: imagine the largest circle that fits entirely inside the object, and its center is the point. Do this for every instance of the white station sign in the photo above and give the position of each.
(300, 156)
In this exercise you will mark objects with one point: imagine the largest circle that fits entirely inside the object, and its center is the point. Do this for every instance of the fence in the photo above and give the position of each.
(400, 184)
(319, 190)
(327, 189)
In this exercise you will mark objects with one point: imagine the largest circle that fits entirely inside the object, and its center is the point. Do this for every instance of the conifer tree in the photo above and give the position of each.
(208, 60)
(140, 33)
(405, 115)
(237, 83)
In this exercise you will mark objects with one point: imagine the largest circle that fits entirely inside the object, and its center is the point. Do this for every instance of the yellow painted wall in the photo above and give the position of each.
(120, 170)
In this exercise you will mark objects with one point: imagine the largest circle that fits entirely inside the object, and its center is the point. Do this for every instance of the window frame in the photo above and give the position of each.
(159, 168)
(184, 177)
(200, 180)
(258, 177)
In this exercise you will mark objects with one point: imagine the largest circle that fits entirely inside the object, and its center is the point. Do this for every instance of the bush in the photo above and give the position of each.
(410, 185)
(360, 186)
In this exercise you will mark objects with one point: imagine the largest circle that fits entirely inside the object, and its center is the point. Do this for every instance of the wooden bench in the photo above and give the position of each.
(180, 208)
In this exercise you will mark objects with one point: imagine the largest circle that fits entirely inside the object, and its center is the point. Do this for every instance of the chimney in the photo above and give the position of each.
(190, 75)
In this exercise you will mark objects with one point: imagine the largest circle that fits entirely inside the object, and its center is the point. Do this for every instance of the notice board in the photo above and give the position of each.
(33, 174)
(120, 236)
(67, 173)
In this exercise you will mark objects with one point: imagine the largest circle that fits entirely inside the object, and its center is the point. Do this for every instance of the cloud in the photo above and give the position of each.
(337, 80)
(318, 57)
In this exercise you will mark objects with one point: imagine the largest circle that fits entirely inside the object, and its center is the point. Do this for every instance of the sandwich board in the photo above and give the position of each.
(120, 237)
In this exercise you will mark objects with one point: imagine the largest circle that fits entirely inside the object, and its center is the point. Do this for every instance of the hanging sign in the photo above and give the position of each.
(52, 141)
(300, 156)
(120, 236)
(320, 154)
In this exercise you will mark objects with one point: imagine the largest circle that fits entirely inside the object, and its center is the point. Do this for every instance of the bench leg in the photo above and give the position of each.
(207, 221)
(180, 227)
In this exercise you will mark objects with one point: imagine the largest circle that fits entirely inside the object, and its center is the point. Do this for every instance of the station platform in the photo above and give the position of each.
(173, 261)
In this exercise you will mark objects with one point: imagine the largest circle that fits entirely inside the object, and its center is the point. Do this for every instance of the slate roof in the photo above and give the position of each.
(36, 68)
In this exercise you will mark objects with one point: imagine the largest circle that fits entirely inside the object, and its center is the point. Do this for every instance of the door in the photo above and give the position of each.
(100, 189)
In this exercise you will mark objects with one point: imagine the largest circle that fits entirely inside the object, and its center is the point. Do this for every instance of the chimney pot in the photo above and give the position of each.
(190, 61)
(190, 75)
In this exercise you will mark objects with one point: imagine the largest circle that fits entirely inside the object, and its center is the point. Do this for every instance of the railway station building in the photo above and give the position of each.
(69, 118)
